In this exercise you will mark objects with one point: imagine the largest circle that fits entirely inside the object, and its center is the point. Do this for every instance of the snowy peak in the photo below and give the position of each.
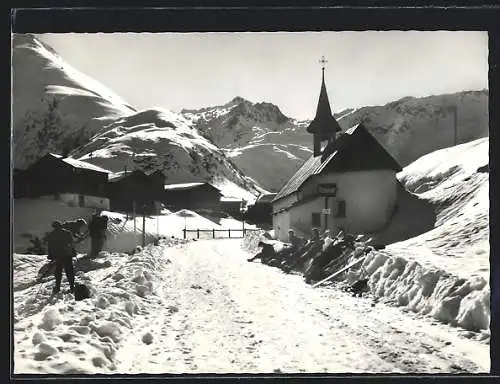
(55, 107)
(158, 139)
(233, 124)
(408, 128)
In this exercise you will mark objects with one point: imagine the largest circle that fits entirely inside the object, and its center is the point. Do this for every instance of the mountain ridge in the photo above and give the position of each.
(254, 139)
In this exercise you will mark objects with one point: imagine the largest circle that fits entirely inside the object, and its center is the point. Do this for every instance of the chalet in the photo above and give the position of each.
(136, 190)
(75, 182)
(231, 205)
(348, 183)
(261, 211)
(199, 195)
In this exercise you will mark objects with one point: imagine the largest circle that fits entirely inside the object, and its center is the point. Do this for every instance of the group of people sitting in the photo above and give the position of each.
(61, 243)
(311, 257)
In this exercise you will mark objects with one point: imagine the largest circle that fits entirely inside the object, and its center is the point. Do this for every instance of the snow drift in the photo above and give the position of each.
(443, 272)
(63, 336)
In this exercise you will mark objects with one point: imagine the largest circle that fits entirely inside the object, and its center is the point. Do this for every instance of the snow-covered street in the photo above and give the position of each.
(221, 314)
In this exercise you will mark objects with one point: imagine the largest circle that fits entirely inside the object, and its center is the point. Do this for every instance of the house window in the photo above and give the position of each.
(341, 208)
(316, 219)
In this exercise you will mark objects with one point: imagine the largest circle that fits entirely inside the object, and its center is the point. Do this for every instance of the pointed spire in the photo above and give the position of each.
(324, 124)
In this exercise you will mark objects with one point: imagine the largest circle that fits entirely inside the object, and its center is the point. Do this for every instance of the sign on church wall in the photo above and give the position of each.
(327, 189)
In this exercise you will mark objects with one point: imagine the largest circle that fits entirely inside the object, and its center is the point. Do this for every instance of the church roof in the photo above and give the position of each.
(324, 124)
(354, 150)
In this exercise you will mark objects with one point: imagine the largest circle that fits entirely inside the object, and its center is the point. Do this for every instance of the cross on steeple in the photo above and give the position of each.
(323, 61)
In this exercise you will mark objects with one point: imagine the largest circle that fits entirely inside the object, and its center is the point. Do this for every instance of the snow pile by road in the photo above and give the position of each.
(443, 272)
(63, 336)
(459, 301)
(456, 183)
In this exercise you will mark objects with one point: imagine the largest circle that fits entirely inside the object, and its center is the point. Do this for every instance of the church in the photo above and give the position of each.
(348, 183)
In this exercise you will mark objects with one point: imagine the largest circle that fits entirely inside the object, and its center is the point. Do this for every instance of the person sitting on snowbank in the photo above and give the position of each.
(267, 252)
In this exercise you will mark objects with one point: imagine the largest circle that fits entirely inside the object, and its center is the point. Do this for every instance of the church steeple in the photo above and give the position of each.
(324, 127)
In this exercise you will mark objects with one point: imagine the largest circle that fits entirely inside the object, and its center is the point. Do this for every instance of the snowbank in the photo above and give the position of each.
(452, 181)
(463, 302)
(443, 272)
(61, 336)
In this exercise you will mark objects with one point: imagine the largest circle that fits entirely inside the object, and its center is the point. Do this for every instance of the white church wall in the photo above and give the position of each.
(369, 198)
(281, 225)
(301, 216)
(281, 217)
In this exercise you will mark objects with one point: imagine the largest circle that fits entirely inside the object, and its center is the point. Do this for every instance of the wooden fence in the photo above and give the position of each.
(230, 232)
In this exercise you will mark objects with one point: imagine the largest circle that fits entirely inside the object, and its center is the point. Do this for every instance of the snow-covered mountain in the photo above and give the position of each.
(54, 106)
(58, 109)
(256, 135)
(160, 139)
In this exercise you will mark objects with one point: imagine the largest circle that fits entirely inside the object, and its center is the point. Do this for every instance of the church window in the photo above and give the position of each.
(316, 219)
(341, 208)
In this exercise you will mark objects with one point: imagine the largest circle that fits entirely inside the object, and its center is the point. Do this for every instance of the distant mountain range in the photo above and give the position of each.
(258, 135)
(58, 109)
(246, 147)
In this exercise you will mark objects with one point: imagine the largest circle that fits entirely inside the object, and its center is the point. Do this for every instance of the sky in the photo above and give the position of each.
(194, 70)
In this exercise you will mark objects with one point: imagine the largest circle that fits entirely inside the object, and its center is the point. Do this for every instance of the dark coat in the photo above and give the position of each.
(60, 244)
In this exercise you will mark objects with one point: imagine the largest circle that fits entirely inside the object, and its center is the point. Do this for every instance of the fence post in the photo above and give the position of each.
(144, 227)
(213, 233)
(229, 233)
(184, 230)
(197, 233)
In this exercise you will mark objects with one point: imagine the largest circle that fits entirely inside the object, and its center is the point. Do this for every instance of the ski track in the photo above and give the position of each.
(218, 313)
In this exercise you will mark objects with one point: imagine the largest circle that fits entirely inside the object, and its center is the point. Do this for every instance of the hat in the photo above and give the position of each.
(56, 224)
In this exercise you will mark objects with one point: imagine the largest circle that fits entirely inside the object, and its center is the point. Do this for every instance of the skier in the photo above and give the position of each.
(60, 247)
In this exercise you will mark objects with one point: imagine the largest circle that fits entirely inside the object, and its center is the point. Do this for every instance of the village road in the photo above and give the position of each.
(221, 314)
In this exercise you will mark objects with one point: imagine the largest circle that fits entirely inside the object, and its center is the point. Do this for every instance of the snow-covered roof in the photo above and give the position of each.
(185, 186)
(266, 198)
(230, 199)
(354, 149)
(121, 174)
(81, 164)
